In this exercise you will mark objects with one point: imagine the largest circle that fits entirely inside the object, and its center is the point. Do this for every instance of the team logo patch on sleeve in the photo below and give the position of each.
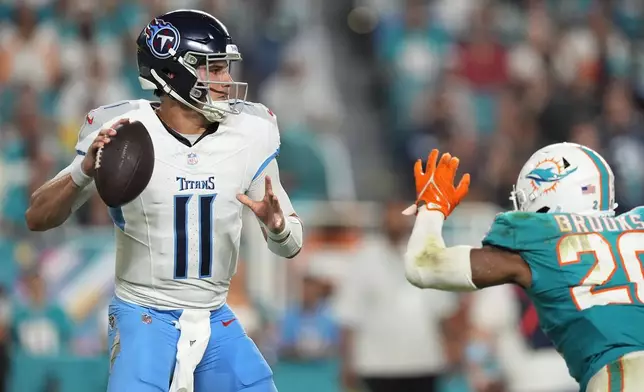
(162, 38)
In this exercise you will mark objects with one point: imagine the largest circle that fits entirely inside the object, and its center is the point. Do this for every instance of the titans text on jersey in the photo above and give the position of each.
(186, 184)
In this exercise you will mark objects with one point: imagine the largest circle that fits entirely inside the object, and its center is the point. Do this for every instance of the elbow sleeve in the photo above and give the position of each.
(429, 264)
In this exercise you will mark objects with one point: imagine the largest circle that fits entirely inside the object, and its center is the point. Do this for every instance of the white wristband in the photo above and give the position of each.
(281, 236)
(79, 177)
(288, 242)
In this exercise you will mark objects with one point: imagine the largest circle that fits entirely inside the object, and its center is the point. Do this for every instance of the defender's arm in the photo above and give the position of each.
(429, 264)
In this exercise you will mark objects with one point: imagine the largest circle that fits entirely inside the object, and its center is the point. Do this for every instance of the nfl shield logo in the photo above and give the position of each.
(192, 158)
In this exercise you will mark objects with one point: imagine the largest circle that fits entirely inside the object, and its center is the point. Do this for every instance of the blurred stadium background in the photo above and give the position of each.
(362, 88)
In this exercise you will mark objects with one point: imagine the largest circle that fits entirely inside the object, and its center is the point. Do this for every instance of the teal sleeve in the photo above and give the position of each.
(501, 234)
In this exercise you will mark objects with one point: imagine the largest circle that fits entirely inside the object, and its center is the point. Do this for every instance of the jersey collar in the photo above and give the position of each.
(212, 128)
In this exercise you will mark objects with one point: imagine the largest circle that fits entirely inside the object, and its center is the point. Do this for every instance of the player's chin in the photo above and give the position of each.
(219, 98)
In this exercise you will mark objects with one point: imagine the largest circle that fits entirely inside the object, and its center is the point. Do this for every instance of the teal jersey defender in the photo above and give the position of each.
(587, 281)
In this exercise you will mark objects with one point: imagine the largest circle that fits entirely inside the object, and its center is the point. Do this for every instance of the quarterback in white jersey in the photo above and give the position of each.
(178, 242)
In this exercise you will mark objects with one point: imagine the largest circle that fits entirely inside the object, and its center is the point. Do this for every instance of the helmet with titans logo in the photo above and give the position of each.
(177, 54)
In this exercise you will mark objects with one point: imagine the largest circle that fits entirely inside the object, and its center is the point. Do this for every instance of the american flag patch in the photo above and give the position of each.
(587, 189)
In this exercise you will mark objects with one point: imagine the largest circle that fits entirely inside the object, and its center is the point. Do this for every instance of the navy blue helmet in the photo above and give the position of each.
(179, 53)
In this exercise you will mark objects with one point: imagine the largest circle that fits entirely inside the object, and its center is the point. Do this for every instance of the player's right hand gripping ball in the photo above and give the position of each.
(124, 166)
(435, 186)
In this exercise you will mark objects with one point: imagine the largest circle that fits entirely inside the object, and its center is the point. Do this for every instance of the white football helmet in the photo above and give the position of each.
(565, 177)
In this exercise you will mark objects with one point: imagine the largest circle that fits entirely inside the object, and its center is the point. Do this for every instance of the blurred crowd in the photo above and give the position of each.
(493, 81)
(361, 89)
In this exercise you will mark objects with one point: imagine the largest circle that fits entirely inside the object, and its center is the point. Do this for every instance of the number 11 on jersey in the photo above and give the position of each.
(206, 231)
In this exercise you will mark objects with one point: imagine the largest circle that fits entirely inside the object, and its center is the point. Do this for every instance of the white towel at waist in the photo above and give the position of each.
(193, 340)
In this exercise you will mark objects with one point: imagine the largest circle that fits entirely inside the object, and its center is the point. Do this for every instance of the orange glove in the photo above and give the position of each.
(435, 186)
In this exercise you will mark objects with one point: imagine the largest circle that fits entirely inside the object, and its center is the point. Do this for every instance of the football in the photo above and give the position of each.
(124, 166)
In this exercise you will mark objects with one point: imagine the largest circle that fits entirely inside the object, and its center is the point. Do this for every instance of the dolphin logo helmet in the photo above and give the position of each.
(565, 177)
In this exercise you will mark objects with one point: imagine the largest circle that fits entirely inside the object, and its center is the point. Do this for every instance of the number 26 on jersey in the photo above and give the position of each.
(608, 260)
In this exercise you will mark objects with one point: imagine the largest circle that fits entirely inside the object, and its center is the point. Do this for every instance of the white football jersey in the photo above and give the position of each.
(177, 244)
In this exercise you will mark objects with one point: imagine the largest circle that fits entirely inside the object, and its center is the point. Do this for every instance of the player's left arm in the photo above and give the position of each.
(268, 200)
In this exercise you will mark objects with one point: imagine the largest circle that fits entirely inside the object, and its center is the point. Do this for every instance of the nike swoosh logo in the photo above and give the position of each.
(227, 323)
